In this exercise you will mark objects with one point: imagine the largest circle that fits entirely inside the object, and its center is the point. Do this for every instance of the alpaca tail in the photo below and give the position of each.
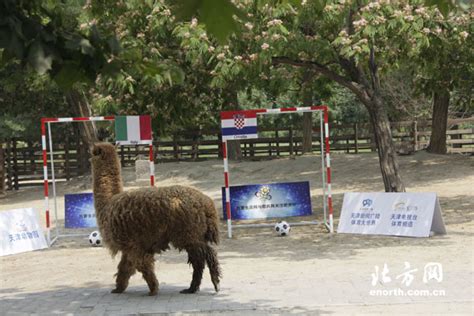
(214, 267)
(212, 233)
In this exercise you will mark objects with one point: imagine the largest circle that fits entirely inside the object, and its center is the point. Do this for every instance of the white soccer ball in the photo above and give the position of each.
(282, 228)
(95, 239)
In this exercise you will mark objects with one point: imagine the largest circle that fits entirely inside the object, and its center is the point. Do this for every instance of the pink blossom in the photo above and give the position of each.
(265, 46)
(397, 13)
(274, 22)
(343, 33)
(360, 23)
(276, 37)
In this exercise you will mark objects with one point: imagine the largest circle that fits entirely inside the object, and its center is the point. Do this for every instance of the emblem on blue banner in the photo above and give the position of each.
(269, 200)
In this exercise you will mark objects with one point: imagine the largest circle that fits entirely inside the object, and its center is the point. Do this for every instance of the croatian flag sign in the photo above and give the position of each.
(239, 125)
(133, 130)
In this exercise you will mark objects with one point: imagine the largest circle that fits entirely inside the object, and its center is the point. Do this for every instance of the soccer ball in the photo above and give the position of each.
(95, 239)
(282, 228)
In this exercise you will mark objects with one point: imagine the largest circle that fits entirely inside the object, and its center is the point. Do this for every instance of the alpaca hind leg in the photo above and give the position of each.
(197, 258)
(214, 267)
(126, 269)
(147, 267)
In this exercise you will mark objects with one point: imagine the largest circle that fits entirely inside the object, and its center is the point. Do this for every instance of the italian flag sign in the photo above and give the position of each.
(133, 130)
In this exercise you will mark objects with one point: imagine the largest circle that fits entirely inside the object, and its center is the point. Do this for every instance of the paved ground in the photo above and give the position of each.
(302, 274)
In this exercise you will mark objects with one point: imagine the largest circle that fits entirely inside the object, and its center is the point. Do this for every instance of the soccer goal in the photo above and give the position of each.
(129, 130)
(240, 125)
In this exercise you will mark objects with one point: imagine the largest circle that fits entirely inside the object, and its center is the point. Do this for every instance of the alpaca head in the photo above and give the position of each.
(104, 156)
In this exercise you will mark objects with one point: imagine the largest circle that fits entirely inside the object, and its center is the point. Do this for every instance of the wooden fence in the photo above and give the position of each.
(24, 165)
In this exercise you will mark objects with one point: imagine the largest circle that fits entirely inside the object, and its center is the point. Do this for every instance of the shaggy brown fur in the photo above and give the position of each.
(146, 221)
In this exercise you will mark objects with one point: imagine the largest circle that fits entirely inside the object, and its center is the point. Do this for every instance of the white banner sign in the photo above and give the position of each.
(397, 214)
(20, 231)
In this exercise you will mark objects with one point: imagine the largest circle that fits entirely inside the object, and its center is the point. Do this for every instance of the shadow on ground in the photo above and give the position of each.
(94, 298)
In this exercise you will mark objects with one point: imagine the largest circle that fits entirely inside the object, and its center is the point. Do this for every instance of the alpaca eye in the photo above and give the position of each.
(97, 151)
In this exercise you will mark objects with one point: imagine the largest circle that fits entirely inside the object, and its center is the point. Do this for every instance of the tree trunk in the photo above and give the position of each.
(385, 146)
(2, 171)
(367, 90)
(307, 116)
(440, 121)
(307, 132)
(81, 107)
(233, 147)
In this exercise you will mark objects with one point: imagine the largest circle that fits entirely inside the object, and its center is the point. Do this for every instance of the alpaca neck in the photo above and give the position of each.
(106, 184)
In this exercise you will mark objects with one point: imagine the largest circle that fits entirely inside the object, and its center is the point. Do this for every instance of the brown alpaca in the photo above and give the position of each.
(146, 221)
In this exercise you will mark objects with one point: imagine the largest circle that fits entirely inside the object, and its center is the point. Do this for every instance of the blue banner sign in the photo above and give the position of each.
(80, 211)
(256, 201)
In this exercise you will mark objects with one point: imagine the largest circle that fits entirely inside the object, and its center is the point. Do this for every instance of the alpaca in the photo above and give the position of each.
(146, 221)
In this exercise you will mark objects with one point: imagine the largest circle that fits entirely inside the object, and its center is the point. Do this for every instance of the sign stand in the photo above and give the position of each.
(389, 213)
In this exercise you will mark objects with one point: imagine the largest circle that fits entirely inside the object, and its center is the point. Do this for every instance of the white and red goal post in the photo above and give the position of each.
(238, 125)
(46, 122)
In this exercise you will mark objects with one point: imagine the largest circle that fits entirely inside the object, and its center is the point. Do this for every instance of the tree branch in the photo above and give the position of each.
(328, 73)
(373, 71)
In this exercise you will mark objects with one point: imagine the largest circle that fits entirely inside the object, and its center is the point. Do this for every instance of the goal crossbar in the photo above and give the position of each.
(325, 166)
(46, 122)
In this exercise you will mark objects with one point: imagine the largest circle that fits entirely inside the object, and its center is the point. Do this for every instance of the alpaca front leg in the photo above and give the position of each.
(147, 267)
(196, 257)
(126, 269)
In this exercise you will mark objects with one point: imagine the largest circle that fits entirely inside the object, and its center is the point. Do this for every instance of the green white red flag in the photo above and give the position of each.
(133, 130)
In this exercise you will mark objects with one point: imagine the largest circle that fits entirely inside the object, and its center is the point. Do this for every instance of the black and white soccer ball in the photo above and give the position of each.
(282, 228)
(95, 239)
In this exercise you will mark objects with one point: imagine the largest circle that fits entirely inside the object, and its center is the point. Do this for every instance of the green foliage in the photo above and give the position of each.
(46, 35)
(155, 75)
(170, 59)
(217, 16)
(25, 98)
(345, 107)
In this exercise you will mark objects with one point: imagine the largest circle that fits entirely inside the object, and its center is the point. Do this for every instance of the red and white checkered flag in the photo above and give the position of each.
(239, 121)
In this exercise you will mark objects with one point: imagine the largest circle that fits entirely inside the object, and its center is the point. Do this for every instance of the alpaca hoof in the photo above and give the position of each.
(189, 291)
(153, 293)
(117, 291)
(217, 287)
